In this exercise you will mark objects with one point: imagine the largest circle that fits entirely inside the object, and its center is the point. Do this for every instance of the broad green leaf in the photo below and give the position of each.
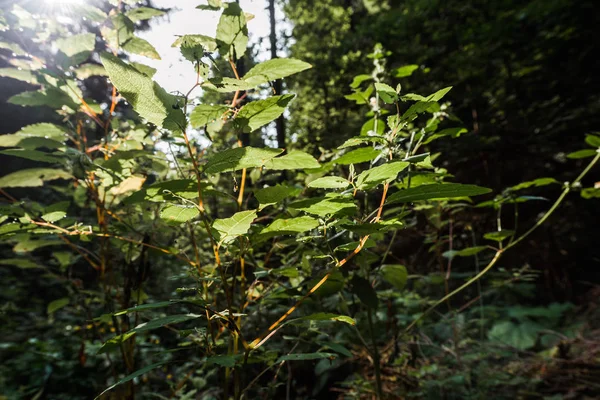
(329, 182)
(519, 335)
(351, 246)
(337, 347)
(395, 274)
(357, 156)
(121, 30)
(236, 225)
(165, 191)
(360, 96)
(369, 228)
(143, 68)
(364, 291)
(205, 113)
(274, 69)
(87, 11)
(143, 13)
(29, 245)
(77, 47)
(193, 47)
(370, 130)
(593, 140)
(356, 141)
(45, 130)
(132, 376)
(22, 263)
(295, 159)
(84, 71)
(499, 235)
(386, 92)
(333, 285)
(114, 342)
(225, 84)
(223, 360)
(13, 47)
(288, 226)
(18, 74)
(57, 304)
(232, 32)
(239, 158)
(146, 96)
(322, 316)
(325, 206)
(33, 155)
(405, 71)
(590, 193)
(582, 154)
(258, 113)
(452, 132)
(469, 251)
(32, 177)
(51, 97)
(359, 79)
(162, 321)
(305, 357)
(177, 213)
(56, 212)
(275, 194)
(383, 173)
(141, 47)
(436, 192)
(536, 183)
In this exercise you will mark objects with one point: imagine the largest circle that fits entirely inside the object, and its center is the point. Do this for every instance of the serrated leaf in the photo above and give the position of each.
(386, 93)
(274, 69)
(32, 177)
(232, 32)
(325, 206)
(275, 194)
(203, 114)
(364, 291)
(193, 47)
(236, 225)
(380, 174)
(329, 182)
(147, 98)
(295, 159)
(240, 158)
(177, 213)
(258, 113)
(57, 305)
(143, 13)
(395, 274)
(288, 226)
(132, 376)
(358, 156)
(436, 192)
(141, 47)
(305, 357)
(499, 235)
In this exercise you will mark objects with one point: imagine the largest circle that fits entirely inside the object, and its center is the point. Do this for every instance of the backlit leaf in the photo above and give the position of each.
(295, 159)
(32, 177)
(239, 158)
(258, 113)
(396, 275)
(436, 192)
(232, 32)
(176, 213)
(206, 113)
(141, 47)
(274, 69)
(236, 225)
(132, 376)
(329, 182)
(357, 156)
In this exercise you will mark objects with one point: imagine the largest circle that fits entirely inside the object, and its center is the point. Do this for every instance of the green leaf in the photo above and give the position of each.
(275, 194)
(405, 71)
(469, 251)
(203, 114)
(327, 317)
(452, 132)
(177, 213)
(114, 342)
(143, 68)
(165, 191)
(160, 322)
(295, 159)
(590, 193)
(132, 376)
(141, 47)
(519, 335)
(325, 206)
(50, 97)
(357, 156)
(146, 96)
(237, 225)
(84, 71)
(537, 183)
(274, 69)
(364, 291)
(143, 13)
(289, 226)
(232, 32)
(149, 306)
(396, 275)
(77, 47)
(32, 177)
(582, 154)
(193, 46)
(499, 235)
(223, 360)
(436, 192)
(369, 129)
(239, 158)
(329, 182)
(258, 113)
(337, 347)
(22, 263)
(18, 74)
(359, 79)
(305, 357)
(33, 155)
(386, 92)
(383, 173)
(593, 140)
(57, 304)
(358, 140)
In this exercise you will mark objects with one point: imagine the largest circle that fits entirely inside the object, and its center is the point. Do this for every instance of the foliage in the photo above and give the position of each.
(201, 270)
